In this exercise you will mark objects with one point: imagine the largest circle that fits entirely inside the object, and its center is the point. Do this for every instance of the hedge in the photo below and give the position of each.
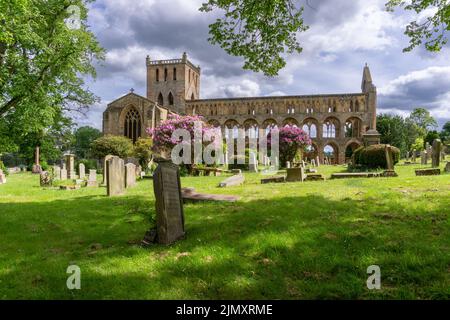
(374, 156)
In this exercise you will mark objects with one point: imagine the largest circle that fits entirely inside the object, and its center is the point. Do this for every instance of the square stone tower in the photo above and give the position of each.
(171, 82)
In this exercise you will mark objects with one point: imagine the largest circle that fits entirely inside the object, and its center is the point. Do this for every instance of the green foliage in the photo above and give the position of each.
(418, 145)
(422, 118)
(445, 133)
(84, 136)
(397, 131)
(374, 156)
(42, 64)
(115, 145)
(88, 163)
(143, 152)
(431, 136)
(430, 31)
(259, 31)
(3, 168)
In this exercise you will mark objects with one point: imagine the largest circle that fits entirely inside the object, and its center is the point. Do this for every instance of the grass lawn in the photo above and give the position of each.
(311, 240)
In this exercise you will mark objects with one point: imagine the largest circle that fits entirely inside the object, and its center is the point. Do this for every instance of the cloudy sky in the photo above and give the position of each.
(343, 36)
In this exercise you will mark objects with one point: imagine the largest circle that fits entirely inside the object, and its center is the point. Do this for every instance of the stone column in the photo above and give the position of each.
(70, 165)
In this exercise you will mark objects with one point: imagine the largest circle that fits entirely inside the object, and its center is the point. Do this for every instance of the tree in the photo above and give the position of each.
(423, 119)
(259, 31)
(431, 31)
(84, 136)
(45, 51)
(143, 151)
(431, 136)
(397, 131)
(445, 133)
(114, 145)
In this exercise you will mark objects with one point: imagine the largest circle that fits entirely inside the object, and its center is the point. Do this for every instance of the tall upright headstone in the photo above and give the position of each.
(92, 179)
(70, 165)
(56, 173)
(37, 169)
(318, 161)
(423, 158)
(414, 156)
(169, 202)
(288, 164)
(63, 174)
(130, 175)
(115, 176)
(82, 171)
(104, 167)
(253, 165)
(436, 154)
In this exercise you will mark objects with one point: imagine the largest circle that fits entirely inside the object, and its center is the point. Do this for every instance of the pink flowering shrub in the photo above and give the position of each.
(162, 134)
(291, 140)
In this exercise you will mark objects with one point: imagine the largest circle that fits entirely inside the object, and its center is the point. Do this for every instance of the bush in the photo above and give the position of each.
(3, 168)
(143, 151)
(44, 165)
(88, 163)
(291, 140)
(114, 145)
(374, 156)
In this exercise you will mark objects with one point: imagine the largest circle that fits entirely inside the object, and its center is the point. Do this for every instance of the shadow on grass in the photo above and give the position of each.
(293, 248)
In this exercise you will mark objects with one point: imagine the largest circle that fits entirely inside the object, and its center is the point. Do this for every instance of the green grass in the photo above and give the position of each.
(311, 240)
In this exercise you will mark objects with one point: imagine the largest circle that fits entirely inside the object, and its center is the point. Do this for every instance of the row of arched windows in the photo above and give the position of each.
(166, 74)
(169, 99)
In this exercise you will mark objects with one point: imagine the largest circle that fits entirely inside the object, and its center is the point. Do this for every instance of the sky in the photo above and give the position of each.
(343, 35)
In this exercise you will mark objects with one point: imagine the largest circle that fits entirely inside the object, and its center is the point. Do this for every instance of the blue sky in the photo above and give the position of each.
(343, 36)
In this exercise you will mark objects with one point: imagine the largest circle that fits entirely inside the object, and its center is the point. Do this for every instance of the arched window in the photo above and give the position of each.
(329, 130)
(160, 99)
(175, 74)
(132, 125)
(157, 75)
(165, 74)
(170, 99)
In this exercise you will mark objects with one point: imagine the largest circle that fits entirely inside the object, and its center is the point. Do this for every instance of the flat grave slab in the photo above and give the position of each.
(281, 179)
(189, 195)
(428, 172)
(347, 175)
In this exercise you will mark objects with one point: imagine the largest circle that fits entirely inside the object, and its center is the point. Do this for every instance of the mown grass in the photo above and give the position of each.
(311, 240)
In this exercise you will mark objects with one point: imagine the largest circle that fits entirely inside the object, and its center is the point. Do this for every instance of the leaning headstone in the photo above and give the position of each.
(436, 154)
(63, 174)
(115, 176)
(169, 203)
(232, 181)
(296, 174)
(104, 167)
(82, 171)
(56, 173)
(70, 165)
(389, 162)
(92, 179)
(2, 177)
(45, 179)
(130, 175)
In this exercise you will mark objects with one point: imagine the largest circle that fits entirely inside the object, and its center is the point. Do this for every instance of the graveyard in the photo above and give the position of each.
(295, 240)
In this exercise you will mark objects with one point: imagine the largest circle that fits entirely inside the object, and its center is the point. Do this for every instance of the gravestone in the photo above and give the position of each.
(428, 172)
(436, 154)
(288, 164)
(104, 167)
(82, 171)
(253, 165)
(63, 175)
(2, 177)
(115, 176)
(138, 171)
(70, 166)
(423, 158)
(296, 174)
(447, 167)
(277, 179)
(56, 173)
(169, 203)
(37, 169)
(130, 175)
(442, 156)
(414, 156)
(303, 164)
(232, 181)
(45, 179)
(389, 162)
(313, 163)
(318, 161)
(92, 179)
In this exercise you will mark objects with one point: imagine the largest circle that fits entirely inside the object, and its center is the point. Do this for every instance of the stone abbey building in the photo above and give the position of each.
(336, 123)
